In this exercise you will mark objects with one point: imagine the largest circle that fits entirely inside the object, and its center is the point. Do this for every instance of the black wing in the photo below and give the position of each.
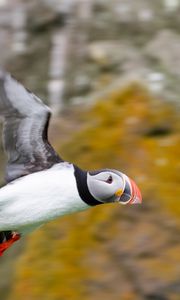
(26, 121)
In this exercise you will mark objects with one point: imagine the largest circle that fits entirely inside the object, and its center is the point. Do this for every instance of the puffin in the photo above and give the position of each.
(41, 186)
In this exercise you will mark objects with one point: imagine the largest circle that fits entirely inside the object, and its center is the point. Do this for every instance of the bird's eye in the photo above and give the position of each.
(110, 179)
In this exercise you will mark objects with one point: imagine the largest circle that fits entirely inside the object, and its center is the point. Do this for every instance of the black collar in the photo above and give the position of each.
(81, 181)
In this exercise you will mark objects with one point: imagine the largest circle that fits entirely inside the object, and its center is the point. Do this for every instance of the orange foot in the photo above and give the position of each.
(5, 245)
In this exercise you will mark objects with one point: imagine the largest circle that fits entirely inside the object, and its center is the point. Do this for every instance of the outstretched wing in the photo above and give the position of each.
(26, 121)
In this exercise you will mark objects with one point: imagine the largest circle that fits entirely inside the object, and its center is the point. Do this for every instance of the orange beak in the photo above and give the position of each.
(136, 196)
(130, 194)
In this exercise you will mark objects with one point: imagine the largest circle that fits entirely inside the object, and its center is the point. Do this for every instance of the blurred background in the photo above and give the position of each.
(110, 72)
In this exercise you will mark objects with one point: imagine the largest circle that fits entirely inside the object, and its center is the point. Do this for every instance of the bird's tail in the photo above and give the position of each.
(7, 238)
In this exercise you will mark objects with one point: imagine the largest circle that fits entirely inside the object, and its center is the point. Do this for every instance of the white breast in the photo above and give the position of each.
(39, 197)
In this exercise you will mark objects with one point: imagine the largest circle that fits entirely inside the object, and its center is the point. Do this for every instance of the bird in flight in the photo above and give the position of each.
(40, 185)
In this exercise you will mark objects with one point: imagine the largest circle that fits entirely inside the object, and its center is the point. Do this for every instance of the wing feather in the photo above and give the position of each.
(26, 121)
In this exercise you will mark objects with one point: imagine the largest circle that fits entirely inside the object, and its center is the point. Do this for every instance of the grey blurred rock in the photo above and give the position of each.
(108, 42)
(116, 55)
(40, 17)
(5, 44)
(165, 49)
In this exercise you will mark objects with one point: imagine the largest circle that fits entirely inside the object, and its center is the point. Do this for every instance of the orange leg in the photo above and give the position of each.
(5, 245)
